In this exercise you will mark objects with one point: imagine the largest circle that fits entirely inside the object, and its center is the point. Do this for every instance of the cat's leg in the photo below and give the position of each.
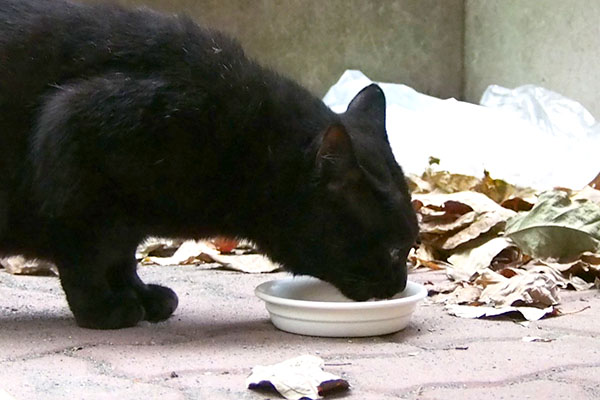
(94, 156)
(108, 294)
(103, 288)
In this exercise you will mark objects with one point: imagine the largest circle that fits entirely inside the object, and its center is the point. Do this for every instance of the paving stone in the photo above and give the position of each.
(59, 376)
(542, 389)
(221, 330)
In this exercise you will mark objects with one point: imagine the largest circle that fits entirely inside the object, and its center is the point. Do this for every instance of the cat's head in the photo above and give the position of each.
(358, 224)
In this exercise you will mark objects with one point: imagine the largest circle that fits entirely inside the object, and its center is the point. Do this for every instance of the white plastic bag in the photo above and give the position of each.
(469, 138)
(548, 110)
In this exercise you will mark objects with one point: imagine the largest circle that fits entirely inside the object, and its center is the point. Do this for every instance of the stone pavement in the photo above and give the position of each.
(207, 349)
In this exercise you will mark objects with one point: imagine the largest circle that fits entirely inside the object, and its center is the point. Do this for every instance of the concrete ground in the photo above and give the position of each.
(221, 330)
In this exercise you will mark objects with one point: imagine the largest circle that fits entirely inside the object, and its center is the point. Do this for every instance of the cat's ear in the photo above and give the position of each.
(335, 156)
(336, 143)
(369, 102)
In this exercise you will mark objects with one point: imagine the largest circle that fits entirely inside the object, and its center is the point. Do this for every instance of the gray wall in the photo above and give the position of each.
(416, 42)
(446, 48)
(552, 43)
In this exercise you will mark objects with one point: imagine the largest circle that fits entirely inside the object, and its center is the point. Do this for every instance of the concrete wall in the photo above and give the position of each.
(416, 42)
(446, 48)
(552, 43)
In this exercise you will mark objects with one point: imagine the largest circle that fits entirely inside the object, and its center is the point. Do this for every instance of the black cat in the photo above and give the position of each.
(118, 124)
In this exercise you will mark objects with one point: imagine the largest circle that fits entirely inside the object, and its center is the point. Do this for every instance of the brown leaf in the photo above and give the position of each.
(418, 185)
(332, 387)
(444, 228)
(476, 201)
(496, 189)
(517, 204)
(467, 263)
(426, 256)
(532, 289)
(482, 224)
(511, 256)
(507, 272)
(456, 207)
(442, 225)
(157, 247)
(462, 294)
(591, 258)
(441, 288)
(446, 182)
(595, 183)
(577, 275)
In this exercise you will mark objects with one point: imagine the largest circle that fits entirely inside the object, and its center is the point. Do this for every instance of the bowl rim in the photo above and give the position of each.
(261, 293)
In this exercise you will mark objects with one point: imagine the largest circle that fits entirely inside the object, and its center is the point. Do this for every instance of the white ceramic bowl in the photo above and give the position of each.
(309, 306)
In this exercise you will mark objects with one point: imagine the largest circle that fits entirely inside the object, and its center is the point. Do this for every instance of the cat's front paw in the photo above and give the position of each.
(117, 310)
(159, 302)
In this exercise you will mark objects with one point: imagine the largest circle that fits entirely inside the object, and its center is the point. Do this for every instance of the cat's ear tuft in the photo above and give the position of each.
(370, 102)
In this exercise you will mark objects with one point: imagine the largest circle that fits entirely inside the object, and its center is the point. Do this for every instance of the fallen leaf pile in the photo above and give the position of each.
(504, 248)
(297, 378)
(218, 253)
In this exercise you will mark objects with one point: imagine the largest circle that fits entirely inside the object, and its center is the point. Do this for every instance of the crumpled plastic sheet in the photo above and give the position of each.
(529, 137)
(548, 110)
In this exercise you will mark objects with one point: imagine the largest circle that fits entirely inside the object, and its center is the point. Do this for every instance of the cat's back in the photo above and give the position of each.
(52, 42)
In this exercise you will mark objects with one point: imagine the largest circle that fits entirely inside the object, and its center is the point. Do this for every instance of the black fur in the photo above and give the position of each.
(118, 124)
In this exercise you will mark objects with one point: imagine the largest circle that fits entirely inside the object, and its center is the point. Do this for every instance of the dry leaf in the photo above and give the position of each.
(190, 252)
(529, 313)
(517, 204)
(595, 183)
(557, 226)
(476, 201)
(446, 182)
(483, 224)
(418, 185)
(444, 287)
(566, 275)
(496, 189)
(448, 221)
(442, 225)
(511, 256)
(529, 288)
(19, 265)
(248, 263)
(425, 256)
(158, 247)
(298, 378)
(463, 293)
(467, 263)
(197, 252)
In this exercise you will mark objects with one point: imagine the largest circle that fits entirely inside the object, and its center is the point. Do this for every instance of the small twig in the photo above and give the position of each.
(575, 312)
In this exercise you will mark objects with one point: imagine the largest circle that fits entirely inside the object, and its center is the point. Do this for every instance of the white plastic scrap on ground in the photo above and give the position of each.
(528, 136)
